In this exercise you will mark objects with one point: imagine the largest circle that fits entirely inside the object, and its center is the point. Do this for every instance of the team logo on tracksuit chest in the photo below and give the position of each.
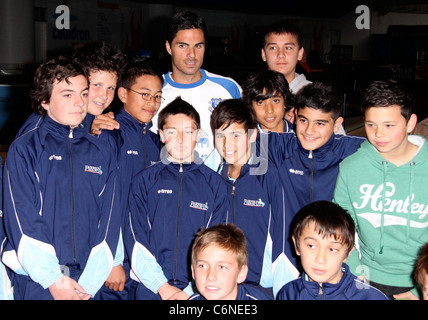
(199, 205)
(254, 203)
(93, 169)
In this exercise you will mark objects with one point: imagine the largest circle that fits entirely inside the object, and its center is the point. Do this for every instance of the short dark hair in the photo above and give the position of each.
(54, 70)
(231, 111)
(185, 20)
(330, 220)
(320, 96)
(178, 106)
(272, 82)
(281, 27)
(386, 94)
(137, 68)
(100, 56)
(421, 269)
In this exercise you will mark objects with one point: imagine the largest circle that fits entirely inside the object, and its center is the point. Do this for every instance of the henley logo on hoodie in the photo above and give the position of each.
(372, 198)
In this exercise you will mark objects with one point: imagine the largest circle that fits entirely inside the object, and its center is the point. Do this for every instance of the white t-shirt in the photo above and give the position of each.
(204, 95)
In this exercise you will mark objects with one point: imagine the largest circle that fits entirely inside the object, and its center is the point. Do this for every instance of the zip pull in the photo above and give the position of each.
(70, 135)
(233, 189)
(320, 291)
(310, 154)
(181, 168)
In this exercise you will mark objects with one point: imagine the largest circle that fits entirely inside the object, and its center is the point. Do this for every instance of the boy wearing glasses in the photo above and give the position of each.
(140, 91)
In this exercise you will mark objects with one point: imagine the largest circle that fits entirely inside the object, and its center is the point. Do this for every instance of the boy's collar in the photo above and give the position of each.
(318, 150)
(165, 158)
(136, 123)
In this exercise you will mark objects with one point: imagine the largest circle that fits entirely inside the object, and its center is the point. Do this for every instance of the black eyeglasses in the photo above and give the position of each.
(147, 96)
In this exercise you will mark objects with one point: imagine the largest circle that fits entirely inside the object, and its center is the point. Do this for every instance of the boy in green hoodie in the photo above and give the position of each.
(384, 188)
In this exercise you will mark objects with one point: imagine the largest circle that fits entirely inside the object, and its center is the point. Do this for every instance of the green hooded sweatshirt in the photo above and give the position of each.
(392, 225)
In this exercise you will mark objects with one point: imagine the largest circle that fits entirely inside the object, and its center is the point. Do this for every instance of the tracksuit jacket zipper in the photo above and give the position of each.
(73, 240)
(312, 176)
(142, 144)
(320, 291)
(178, 222)
(233, 201)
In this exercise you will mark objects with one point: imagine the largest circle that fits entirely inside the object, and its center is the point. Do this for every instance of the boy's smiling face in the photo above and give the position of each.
(180, 135)
(217, 273)
(68, 103)
(314, 127)
(142, 110)
(321, 256)
(102, 86)
(233, 143)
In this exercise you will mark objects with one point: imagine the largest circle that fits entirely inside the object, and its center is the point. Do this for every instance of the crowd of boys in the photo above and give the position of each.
(200, 189)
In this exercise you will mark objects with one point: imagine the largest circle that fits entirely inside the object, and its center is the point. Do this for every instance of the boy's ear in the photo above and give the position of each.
(193, 271)
(242, 274)
(263, 55)
(349, 253)
(301, 53)
(161, 137)
(252, 138)
(199, 134)
(337, 124)
(295, 245)
(122, 94)
(168, 47)
(411, 124)
(45, 105)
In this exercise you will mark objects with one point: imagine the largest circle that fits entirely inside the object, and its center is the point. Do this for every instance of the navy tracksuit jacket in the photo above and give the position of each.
(169, 203)
(256, 201)
(307, 176)
(348, 288)
(61, 207)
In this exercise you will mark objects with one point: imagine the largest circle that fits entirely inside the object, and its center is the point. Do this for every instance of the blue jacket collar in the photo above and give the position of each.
(125, 116)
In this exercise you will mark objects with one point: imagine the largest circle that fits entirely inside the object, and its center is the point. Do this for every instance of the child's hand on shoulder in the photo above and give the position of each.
(104, 121)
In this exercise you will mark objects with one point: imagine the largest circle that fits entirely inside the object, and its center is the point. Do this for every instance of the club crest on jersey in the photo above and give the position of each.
(198, 205)
(213, 103)
(254, 203)
(93, 169)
